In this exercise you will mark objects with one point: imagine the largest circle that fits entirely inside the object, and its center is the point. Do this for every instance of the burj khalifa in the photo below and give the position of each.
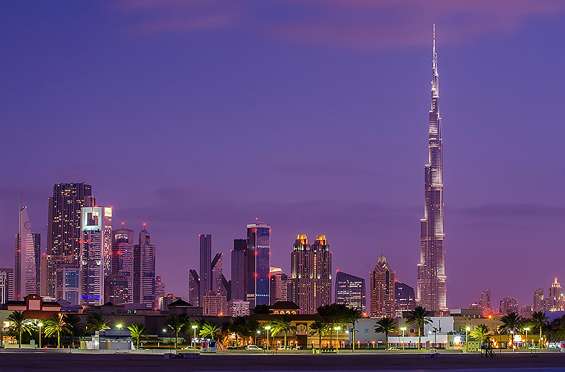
(431, 290)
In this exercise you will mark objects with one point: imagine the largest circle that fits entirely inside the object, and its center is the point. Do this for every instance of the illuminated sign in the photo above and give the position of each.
(91, 219)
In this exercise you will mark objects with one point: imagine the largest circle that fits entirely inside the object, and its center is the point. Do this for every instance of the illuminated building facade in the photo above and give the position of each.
(405, 297)
(193, 287)
(279, 285)
(144, 252)
(214, 305)
(238, 269)
(508, 305)
(431, 288)
(311, 274)
(205, 264)
(119, 288)
(95, 253)
(485, 303)
(556, 301)
(350, 291)
(258, 287)
(538, 303)
(6, 285)
(64, 230)
(25, 259)
(383, 295)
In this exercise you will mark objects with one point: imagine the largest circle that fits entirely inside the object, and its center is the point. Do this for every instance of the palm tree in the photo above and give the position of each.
(319, 327)
(176, 324)
(385, 325)
(480, 333)
(19, 324)
(352, 316)
(539, 321)
(209, 330)
(419, 317)
(511, 323)
(95, 322)
(56, 326)
(136, 330)
(282, 325)
(75, 328)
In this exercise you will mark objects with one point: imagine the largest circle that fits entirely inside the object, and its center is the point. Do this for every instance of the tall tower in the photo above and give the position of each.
(95, 253)
(238, 269)
(258, 264)
(25, 265)
(205, 264)
(383, 291)
(431, 290)
(146, 265)
(63, 237)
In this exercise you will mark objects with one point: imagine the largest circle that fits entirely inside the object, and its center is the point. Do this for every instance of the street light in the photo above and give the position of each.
(403, 329)
(258, 332)
(526, 339)
(337, 329)
(467, 329)
(267, 328)
(119, 326)
(194, 328)
(40, 324)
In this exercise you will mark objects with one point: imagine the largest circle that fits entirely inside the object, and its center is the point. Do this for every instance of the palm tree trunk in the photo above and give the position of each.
(419, 338)
(353, 336)
(58, 340)
(539, 340)
(20, 339)
(386, 339)
(284, 340)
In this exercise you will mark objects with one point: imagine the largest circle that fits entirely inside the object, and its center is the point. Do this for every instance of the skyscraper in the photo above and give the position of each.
(119, 289)
(63, 237)
(217, 273)
(238, 269)
(404, 297)
(6, 285)
(509, 305)
(95, 253)
(279, 285)
(193, 288)
(311, 267)
(539, 301)
(555, 297)
(258, 264)
(205, 264)
(25, 259)
(383, 296)
(350, 291)
(37, 259)
(146, 265)
(485, 302)
(431, 289)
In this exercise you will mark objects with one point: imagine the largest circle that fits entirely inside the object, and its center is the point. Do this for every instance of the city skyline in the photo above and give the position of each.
(343, 109)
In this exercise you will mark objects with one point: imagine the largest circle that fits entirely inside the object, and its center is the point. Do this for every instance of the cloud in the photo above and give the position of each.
(363, 24)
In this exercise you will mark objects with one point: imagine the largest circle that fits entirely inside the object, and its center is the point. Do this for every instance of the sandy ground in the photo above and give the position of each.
(62, 362)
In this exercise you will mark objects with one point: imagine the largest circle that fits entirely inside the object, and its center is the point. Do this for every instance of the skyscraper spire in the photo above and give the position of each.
(431, 289)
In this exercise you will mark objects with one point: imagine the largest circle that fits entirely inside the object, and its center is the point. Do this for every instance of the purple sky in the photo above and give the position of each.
(200, 115)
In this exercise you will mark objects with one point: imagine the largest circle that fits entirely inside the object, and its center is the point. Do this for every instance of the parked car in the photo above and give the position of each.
(253, 348)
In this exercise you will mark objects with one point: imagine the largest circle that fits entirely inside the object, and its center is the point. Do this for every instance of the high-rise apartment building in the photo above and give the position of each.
(25, 258)
(95, 253)
(538, 303)
(279, 285)
(404, 297)
(509, 305)
(144, 253)
(214, 304)
(193, 288)
(350, 291)
(205, 264)
(217, 274)
(485, 303)
(383, 296)
(258, 264)
(7, 285)
(43, 274)
(64, 230)
(119, 288)
(238, 269)
(556, 300)
(311, 268)
(431, 289)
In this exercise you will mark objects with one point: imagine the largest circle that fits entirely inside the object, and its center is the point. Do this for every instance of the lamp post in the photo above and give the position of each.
(194, 328)
(526, 339)
(40, 324)
(258, 332)
(467, 329)
(267, 328)
(337, 329)
(403, 329)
